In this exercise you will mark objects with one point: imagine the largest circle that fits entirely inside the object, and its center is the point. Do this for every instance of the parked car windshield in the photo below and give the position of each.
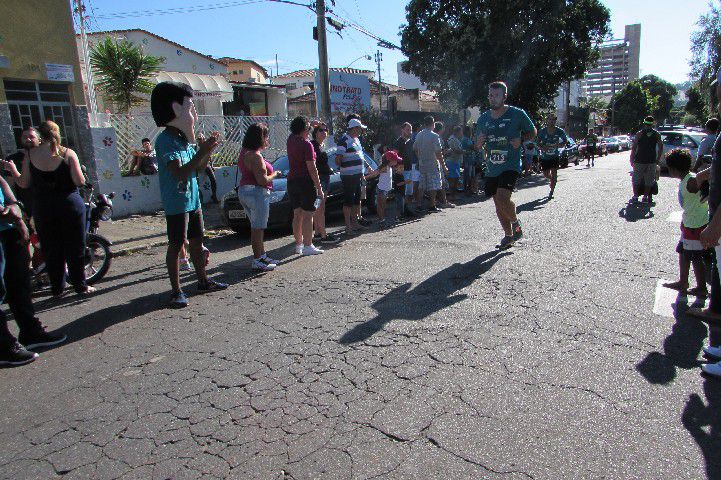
(682, 139)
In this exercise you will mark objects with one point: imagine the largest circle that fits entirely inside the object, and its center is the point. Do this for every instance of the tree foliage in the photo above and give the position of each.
(696, 108)
(631, 105)
(458, 47)
(665, 93)
(706, 52)
(123, 72)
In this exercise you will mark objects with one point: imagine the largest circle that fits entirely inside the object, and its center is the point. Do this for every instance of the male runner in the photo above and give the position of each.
(591, 146)
(501, 131)
(551, 139)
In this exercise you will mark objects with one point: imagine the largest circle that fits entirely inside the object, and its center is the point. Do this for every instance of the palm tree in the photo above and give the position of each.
(123, 72)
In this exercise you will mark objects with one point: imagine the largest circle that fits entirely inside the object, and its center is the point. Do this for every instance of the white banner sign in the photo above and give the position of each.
(348, 92)
(60, 73)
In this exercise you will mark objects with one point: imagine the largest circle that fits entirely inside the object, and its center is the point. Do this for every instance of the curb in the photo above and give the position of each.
(209, 235)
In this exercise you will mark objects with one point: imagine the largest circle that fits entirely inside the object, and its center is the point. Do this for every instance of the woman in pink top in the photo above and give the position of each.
(256, 182)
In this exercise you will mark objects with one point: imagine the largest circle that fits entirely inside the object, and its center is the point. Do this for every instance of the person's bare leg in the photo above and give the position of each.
(442, 194)
(319, 218)
(198, 258)
(307, 227)
(505, 209)
(452, 188)
(256, 241)
(297, 227)
(417, 194)
(699, 271)
(347, 211)
(356, 213)
(554, 179)
(432, 197)
(381, 208)
(171, 262)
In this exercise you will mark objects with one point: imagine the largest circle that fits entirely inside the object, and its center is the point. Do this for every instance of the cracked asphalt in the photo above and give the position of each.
(418, 352)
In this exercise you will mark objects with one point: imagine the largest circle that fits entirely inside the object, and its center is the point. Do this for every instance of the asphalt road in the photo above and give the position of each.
(415, 352)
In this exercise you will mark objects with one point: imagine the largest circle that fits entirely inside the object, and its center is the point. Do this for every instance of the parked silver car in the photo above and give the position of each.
(689, 139)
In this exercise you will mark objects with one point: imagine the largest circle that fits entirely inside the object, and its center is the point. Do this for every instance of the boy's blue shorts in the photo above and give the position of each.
(454, 169)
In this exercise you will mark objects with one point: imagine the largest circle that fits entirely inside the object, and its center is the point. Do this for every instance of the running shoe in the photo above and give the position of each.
(211, 286)
(713, 369)
(265, 258)
(506, 243)
(178, 300)
(311, 250)
(299, 248)
(713, 352)
(433, 210)
(364, 222)
(16, 355)
(447, 205)
(260, 266)
(40, 338)
(329, 239)
(517, 231)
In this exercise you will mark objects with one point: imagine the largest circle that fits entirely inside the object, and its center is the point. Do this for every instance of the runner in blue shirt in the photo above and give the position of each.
(500, 131)
(551, 139)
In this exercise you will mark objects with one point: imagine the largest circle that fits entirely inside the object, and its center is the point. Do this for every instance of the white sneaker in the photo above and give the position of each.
(261, 266)
(713, 352)
(712, 369)
(299, 248)
(267, 259)
(311, 250)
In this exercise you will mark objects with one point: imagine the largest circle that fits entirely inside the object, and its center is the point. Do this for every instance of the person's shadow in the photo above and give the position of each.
(703, 422)
(634, 212)
(680, 348)
(432, 295)
(533, 205)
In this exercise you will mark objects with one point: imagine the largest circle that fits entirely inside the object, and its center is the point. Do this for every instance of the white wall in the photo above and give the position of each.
(408, 80)
(277, 102)
(140, 194)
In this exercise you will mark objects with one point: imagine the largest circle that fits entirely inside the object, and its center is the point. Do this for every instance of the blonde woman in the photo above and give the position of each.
(54, 173)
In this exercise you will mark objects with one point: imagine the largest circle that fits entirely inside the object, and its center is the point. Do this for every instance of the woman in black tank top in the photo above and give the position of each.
(54, 174)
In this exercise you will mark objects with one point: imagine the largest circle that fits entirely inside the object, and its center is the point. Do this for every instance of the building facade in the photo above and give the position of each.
(618, 65)
(206, 75)
(246, 71)
(302, 82)
(40, 74)
(408, 80)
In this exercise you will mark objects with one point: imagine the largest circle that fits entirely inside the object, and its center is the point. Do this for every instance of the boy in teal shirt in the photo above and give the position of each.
(178, 163)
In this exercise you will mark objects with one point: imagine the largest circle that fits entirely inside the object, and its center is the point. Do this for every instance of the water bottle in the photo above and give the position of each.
(318, 200)
(363, 189)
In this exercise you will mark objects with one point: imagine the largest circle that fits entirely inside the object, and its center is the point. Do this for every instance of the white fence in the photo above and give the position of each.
(131, 129)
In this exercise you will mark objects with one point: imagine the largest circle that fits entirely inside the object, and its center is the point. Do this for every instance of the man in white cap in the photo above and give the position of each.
(349, 157)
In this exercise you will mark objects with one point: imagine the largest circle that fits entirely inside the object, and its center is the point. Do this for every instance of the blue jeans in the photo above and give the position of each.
(256, 203)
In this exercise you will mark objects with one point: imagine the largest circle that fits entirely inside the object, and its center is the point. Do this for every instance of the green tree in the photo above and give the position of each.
(706, 52)
(123, 72)
(458, 47)
(664, 91)
(631, 105)
(696, 108)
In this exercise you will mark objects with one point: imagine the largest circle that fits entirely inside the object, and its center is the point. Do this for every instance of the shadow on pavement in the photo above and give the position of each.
(703, 422)
(680, 348)
(533, 205)
(432, 295)
(634, 212)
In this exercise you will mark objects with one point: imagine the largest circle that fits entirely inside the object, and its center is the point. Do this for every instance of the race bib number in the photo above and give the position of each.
(498, 157)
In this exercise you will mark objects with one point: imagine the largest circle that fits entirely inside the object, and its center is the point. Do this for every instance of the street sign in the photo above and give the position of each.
(348, 92)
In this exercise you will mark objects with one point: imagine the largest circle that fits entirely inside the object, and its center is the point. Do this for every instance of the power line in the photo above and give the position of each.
(381, 42)
(189, 9)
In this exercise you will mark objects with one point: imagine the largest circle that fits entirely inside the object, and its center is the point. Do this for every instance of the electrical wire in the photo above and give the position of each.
(189, 9)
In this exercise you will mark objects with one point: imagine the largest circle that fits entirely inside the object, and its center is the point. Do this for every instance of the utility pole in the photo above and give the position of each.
(277, 72)
(379, 57)
(90, 95)
(323, 73)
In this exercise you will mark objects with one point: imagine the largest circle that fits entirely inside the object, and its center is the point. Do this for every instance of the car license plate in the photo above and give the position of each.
(236, 214)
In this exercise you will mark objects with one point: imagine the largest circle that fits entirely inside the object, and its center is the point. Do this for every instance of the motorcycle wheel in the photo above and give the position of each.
(97, 259)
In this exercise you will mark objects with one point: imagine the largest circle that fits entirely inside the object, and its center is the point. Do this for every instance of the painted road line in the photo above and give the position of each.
(667, 299)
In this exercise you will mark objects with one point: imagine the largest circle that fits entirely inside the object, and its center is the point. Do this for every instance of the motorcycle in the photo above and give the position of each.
(98, 255)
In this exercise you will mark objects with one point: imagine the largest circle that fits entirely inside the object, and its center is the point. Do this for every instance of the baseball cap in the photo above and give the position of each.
(354, 122)
(648, 120)
(717, 78)
(392, 156)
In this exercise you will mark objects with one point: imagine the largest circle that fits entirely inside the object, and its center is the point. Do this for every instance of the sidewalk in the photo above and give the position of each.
(139, 232)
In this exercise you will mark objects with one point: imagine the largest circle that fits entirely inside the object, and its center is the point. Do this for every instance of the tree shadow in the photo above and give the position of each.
(680, 348)
(634, 212)
(703, 422)
(432, 295)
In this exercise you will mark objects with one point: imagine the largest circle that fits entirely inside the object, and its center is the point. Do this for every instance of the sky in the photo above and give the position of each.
(260, 30)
